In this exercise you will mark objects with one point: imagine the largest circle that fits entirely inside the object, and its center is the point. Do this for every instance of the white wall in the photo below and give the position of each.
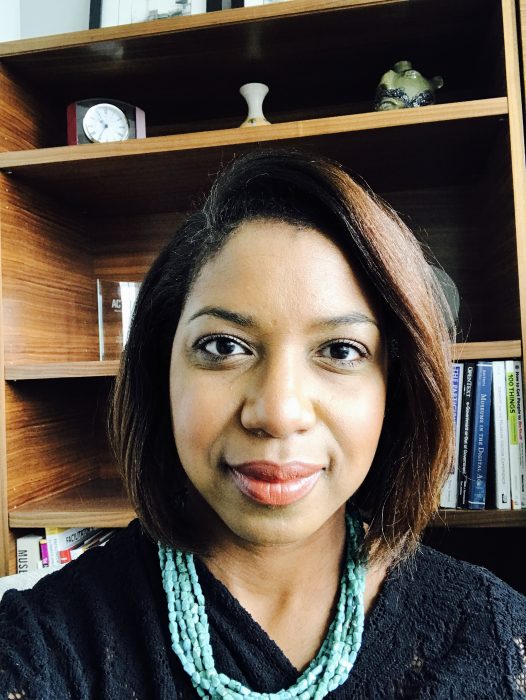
(9, 20)
(21, 19)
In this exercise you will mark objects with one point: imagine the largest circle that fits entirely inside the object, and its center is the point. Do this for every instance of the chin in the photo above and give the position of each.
(278, 526)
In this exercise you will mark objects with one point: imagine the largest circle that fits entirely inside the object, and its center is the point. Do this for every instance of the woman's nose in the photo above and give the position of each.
(277, 399)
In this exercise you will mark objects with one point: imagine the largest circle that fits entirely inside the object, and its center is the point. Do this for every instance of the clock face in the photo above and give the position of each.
(105, 122)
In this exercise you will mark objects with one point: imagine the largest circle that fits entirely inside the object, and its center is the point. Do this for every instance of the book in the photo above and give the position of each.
(99, 539)
(449, 495)
(501, 451)
(513, 436)
(60, 538)
(480, 428)
(28, 553)
(465, 432)
(44, 556)
(520, 428)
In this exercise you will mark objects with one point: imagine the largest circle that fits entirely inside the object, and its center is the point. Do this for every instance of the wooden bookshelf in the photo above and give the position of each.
(72, 214)
(450, 518)
(97, 503)
(496, 350)
(61, 370)
(67, 370)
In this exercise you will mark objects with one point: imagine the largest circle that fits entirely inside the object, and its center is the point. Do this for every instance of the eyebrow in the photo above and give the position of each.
(246, 321)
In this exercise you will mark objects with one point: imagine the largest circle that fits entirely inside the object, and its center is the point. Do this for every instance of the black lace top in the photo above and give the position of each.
(98, 629)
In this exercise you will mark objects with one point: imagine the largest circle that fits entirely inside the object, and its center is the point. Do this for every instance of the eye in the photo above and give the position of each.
(219, 347)
(343, 353)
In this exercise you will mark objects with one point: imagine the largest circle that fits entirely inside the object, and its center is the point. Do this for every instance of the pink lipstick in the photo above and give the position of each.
(275, 484)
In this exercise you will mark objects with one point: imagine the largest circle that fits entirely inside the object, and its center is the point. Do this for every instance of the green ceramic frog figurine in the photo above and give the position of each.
(404, 87)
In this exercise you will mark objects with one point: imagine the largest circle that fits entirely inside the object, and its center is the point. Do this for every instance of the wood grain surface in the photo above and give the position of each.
(479, 518)
(55, 436)
(49, 291)
(518, 166)
(316, 57)
(15, 371)
(98, 503)
(167, 174)
(27, 120)
(124, 247)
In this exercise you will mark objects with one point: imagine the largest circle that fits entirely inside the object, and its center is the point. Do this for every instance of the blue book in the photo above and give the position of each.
(480, 427)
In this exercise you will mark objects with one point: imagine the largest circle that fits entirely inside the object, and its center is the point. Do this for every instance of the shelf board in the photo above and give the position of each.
(479, 518)
(64, 370)
(22, 161)
(442, 144)
(99, 503)
(333, 37)
(60, 370)
(154, 30)
(103, 503)
(494, 350)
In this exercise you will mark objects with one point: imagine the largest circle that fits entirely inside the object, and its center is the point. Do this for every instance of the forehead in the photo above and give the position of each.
(273, 267)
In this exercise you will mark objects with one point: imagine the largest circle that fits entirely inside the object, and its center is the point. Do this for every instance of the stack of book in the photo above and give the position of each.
(57, 546)
(489, 470)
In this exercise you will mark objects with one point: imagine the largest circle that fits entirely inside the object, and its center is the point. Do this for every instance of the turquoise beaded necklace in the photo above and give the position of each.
(190, 633)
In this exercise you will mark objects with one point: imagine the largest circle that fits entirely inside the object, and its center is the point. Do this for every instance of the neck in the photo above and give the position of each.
(280, 570)
(291, 590)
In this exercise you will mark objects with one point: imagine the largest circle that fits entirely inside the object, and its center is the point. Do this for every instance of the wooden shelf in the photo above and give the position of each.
(60, 370)
(139, 175)
(155, 30)
(333, 37)
(479, 518)
(64, 370)
(22, 161)
(498, 350)
(100, 503)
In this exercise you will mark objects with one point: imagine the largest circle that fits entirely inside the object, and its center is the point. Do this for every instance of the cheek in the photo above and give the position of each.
(199, 417)
(359, 421)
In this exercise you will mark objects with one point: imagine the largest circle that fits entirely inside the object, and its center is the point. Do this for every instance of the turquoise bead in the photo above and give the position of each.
(188, 622)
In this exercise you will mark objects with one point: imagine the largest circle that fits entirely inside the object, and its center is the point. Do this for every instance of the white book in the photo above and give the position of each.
(513, 438)
(449, 495)
(60, 538)
(500, 441)
(28, 553)
(520, 428)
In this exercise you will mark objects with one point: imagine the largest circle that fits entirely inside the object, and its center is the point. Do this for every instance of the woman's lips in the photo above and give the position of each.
(276, 484)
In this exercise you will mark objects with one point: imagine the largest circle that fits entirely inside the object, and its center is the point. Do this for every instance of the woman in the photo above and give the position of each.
(283, 422)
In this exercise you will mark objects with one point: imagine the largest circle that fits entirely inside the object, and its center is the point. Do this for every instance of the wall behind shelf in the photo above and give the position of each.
(500, 552)
(56, 436)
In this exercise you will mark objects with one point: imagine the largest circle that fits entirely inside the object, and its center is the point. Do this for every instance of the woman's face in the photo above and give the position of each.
(277, 383)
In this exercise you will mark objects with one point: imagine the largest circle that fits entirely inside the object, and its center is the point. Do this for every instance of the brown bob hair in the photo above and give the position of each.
(402, 488)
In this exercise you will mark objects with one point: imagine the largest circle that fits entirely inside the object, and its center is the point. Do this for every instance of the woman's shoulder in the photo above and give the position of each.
(93, 571)
(85, 624)
(454, 577)
(452, 588)
(448, 628)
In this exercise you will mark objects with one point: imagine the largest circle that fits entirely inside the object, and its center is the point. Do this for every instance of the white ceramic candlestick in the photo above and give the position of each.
(254, 94)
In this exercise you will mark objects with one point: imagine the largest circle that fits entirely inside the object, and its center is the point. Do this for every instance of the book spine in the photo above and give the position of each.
(478, 463)
(44, 556)
(65, 556)
(60, 539)
(513, 436)
(520, 429)
(449, 494)
(28, 553)
(500, 437)
(465, 432)
(52, 546)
